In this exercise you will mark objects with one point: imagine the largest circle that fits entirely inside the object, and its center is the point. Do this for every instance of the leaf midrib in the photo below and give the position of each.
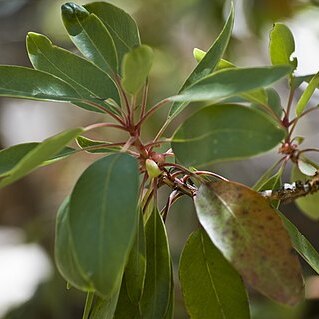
(217, 131)
(212, 282)
(65, 74)
(105, 61)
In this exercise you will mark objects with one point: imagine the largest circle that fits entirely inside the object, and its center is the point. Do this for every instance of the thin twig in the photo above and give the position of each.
(290, 192)
(144, 99)
(116, 117)
(162, 130)
(151, 111)
(308, 150)
(124, 96)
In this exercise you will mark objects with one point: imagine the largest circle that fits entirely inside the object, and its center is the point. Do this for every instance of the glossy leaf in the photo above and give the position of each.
(86, 143)
(229, 82)
(257, 96)
(135, 68)
(103, 219)
(90, 82)
(212, 135)
(282, 45)
(38, 155)
(25, 83)
(301, 244)
(157, 287)
(65, 257)
(121, 26)
(306, 95)
(136, 266)
(207, 64)
(309, 204)
(250, 234)
(211, 287)
(104, 308)
(91, 36)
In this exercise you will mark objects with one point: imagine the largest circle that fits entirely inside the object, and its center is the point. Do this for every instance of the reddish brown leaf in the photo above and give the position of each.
(250, 234)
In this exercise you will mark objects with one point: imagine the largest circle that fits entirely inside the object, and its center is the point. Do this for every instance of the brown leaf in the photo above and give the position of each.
(250, 234)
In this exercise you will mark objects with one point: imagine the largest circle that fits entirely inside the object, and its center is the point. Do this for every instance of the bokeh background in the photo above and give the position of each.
(30, 286)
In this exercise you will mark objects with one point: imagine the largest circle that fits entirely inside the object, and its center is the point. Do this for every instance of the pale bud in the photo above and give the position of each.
(152, 168)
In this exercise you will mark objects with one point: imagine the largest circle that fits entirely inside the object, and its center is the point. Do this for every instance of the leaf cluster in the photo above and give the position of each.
(111, 239)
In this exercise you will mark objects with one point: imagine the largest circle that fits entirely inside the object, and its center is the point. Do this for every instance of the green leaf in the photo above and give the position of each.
(157, 287)
(272, 183)
(90, 82)
(25, 83)
(64, 254)
(229, 82)
(171, 306)
(135, 68)
(212, 135)
(274, 101)
(301, 244)
(136, 266)
(306, 95)
(211, 287)
(85, 142)
(38, 155)
(198, 54)
(121, 26)
(250, 234)
(208, 62)
(132, 289)
(65, 152)
(126, 308)
(309, 204)
(11, 156)
(298, 80)
(105, 308)
(103, 219)
(282, 45)
(91, 36)
(256, 96)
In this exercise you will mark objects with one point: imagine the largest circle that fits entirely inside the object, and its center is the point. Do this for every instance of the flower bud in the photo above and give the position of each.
(152, 168)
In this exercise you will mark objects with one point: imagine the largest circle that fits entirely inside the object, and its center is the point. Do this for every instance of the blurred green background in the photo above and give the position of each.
(30, 286)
